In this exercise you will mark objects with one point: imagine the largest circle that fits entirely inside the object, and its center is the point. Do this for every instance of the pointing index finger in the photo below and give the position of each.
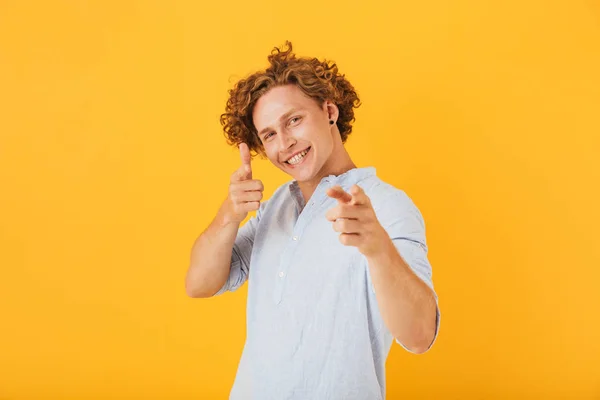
(336, 192)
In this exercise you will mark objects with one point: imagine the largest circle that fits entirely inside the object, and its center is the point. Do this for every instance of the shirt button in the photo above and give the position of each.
(281, 274)
(295, 238)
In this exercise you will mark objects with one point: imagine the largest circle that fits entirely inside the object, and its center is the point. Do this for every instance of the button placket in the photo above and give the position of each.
(288, 253)
(283, 267)
(287, 257)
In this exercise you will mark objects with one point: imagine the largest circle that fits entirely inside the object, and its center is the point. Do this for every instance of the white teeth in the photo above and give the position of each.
(297, 158)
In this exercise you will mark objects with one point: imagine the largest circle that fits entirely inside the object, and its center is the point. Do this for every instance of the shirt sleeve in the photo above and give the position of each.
(404, 223)
(241, 254)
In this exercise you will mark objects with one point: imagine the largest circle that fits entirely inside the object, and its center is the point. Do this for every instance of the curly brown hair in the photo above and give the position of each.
(319, 80)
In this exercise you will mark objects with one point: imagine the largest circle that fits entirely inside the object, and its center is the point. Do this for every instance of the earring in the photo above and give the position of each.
(330, 122)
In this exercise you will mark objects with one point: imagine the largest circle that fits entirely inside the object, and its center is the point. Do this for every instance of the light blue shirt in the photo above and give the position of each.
(313, 327)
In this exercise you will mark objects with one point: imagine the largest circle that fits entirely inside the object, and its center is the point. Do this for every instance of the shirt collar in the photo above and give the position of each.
(347, 178)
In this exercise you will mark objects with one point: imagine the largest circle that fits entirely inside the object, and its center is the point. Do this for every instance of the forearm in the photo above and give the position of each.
(210, 258)
(406, 303)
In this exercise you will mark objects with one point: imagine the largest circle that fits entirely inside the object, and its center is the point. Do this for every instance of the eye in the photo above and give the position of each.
(295, 118)
(267, 135)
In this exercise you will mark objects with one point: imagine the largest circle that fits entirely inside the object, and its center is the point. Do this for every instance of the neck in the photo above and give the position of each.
(336, 165)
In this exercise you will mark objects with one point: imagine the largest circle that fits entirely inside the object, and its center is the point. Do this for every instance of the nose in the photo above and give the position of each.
(286, 141)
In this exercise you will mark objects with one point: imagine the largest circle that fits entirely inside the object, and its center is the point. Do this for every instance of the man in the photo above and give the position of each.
(336, 259)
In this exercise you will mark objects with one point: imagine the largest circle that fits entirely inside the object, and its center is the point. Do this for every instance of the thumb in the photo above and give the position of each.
(245, 154)
(246, 159)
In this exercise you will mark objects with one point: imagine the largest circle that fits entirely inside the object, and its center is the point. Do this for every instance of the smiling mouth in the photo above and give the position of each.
(298, 158)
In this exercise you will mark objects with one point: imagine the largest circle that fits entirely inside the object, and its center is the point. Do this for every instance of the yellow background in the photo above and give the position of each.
(112, 161)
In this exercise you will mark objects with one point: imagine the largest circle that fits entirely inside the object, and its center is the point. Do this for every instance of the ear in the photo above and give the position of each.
(332, 111)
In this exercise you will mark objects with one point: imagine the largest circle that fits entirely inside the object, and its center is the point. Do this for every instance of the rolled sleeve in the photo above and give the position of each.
(415, 255)
(241, 254)
(404, 223)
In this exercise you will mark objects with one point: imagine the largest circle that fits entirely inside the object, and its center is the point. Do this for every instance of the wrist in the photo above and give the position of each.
(226, 216)
(382, 250)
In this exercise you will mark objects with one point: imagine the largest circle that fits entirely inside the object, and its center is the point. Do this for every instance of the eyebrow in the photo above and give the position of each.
(284, 116)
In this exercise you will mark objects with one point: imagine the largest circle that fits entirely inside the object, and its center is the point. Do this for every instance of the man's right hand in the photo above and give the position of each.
(245, 193)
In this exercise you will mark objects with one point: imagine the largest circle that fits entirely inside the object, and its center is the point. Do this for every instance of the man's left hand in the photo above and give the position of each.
(356, 221)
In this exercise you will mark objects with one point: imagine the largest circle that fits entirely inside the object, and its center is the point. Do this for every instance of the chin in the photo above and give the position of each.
(306, 175)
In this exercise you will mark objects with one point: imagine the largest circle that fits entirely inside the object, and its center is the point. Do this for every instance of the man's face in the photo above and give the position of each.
(290, 123)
